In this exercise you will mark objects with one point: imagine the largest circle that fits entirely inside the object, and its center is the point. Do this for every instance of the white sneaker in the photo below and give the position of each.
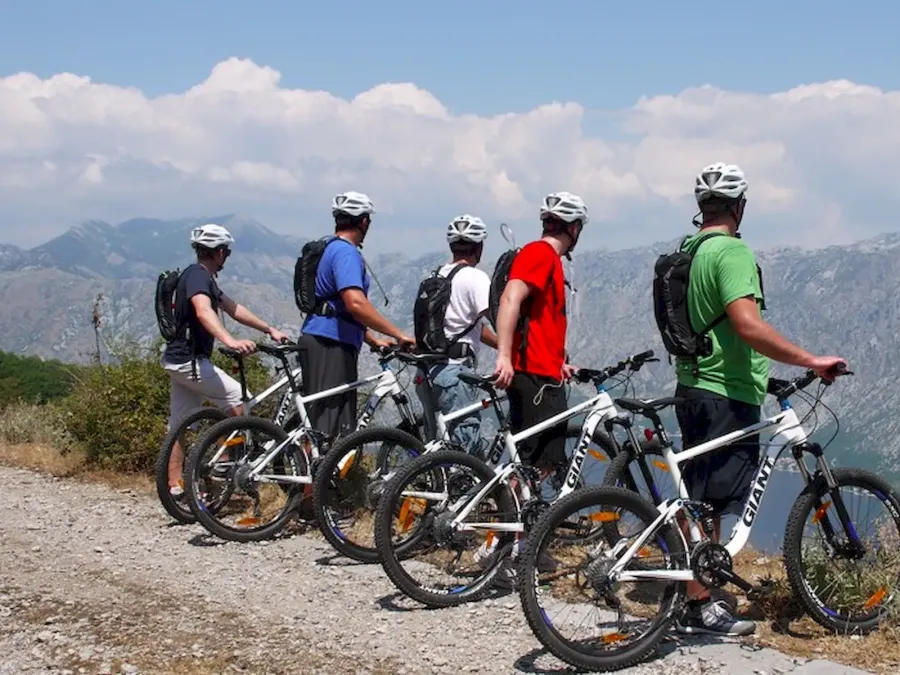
(713, 617)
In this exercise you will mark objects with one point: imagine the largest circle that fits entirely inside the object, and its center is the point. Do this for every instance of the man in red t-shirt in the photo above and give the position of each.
(533, 359)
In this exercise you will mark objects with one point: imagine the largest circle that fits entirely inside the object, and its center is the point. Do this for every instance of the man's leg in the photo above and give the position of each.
(211, 384)
(452, 394)
(429, 404)
(546, 451)
(717, 480)
(327, 364)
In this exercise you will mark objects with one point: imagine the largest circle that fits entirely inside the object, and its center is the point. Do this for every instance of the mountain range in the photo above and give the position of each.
(834, 300)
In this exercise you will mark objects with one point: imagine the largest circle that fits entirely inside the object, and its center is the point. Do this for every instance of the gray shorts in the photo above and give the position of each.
(212, 384)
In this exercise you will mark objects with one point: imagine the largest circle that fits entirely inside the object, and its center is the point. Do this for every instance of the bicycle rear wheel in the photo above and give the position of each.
(835, 597)
(565, 586)
(223, 494)
(199, 417)
(426, 557)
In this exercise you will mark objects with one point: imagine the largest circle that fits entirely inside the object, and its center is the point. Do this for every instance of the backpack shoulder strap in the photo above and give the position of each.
(474, 323)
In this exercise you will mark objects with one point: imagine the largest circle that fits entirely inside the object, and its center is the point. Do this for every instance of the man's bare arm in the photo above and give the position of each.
(762, 337)
(508, 314)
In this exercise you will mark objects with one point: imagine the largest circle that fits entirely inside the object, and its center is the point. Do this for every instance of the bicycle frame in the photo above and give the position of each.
(787, 432)
(283, 406)
(387, 383)
(601, 409)
(443, 421)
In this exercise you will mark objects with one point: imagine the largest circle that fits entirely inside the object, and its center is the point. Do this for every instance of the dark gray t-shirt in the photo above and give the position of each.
(195, 279)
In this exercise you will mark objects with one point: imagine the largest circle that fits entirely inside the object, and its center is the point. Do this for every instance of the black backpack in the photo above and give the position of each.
(166, 286)
(305, 276)
(429, 310)
(499, 279)
(670, 305)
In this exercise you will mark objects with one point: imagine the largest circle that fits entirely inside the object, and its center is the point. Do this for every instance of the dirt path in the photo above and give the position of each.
(96, 580)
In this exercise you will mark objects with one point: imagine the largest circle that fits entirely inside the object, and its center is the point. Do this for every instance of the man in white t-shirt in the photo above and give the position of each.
(442, 390)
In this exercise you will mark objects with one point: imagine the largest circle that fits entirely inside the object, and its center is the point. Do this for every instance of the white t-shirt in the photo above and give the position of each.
(468, 298)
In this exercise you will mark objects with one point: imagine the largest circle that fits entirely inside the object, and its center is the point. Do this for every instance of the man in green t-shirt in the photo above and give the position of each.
(724, 391)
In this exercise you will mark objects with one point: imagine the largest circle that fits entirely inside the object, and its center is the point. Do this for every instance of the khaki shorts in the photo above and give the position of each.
(212, 384)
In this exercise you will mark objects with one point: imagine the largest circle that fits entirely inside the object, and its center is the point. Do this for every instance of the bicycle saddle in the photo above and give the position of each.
(230, 353)
(279, 350)
(651, 405)
(419, 359)
(478, 380)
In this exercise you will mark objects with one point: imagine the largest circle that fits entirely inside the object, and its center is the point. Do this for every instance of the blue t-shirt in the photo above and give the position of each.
(341, 267)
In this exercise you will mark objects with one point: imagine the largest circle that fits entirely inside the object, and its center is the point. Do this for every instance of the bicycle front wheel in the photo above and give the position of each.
(348, 482)
(842, 551)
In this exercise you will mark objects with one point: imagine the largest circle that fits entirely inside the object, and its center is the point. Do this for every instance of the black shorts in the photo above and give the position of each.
(723, 477)
(326, 364)
(549, 446)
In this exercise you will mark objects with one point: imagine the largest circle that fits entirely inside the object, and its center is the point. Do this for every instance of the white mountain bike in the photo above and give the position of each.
(350, 479)
(440, 510)
(245, 477)
(620, 591)
(189, 427)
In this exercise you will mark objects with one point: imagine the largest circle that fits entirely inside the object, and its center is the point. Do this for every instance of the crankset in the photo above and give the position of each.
(712, 566)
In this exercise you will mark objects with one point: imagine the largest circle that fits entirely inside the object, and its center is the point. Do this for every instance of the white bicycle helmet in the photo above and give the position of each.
(720, 180)
(565, 206)
(352, 204)
(466, 228)
(211, 236)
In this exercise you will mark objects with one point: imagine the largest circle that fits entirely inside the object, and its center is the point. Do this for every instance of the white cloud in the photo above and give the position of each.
(820, 158)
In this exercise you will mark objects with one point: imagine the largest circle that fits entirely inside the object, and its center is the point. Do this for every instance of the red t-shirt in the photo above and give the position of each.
(539, 266)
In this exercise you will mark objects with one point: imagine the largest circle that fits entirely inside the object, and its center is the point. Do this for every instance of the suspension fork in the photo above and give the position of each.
(831, 488)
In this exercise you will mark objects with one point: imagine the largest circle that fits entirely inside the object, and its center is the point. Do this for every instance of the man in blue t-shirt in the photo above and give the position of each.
(331, 341)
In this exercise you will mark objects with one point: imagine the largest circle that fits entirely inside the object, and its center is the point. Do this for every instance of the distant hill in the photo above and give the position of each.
(840, 299)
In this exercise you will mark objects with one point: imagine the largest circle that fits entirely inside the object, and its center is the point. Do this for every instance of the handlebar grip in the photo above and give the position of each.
(838, 369)
(643, 356)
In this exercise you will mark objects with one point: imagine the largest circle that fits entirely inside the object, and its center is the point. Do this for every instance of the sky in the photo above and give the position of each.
(113, 110)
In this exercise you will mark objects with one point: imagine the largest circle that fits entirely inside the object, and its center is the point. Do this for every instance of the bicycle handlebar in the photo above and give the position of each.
(634, 363)
(782, 389)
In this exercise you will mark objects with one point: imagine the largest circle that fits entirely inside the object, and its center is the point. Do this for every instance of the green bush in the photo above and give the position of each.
(118, 413)
(33, 380)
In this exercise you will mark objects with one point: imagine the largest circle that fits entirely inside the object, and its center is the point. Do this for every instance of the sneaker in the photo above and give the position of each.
(713, 617)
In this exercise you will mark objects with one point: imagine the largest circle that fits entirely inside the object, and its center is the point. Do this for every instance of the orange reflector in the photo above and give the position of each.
(247, 521)
(237, 440)
(346, 468)
(820, 512)
(408, 509)
(604, 517)
(613, 637)
(875, 599)
(662, 466)
(599, 456)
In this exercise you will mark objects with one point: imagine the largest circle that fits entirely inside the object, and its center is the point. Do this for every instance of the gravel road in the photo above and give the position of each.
(96, 580)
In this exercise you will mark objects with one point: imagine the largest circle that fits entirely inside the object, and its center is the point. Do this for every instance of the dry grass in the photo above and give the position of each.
(70, 464)
(782, 625)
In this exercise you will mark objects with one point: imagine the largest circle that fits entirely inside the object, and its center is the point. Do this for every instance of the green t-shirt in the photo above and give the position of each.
(722, 271)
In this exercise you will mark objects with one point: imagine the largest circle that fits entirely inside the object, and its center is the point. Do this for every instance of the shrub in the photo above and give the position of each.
(118, 413)
(23, 423)
(33, 380)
